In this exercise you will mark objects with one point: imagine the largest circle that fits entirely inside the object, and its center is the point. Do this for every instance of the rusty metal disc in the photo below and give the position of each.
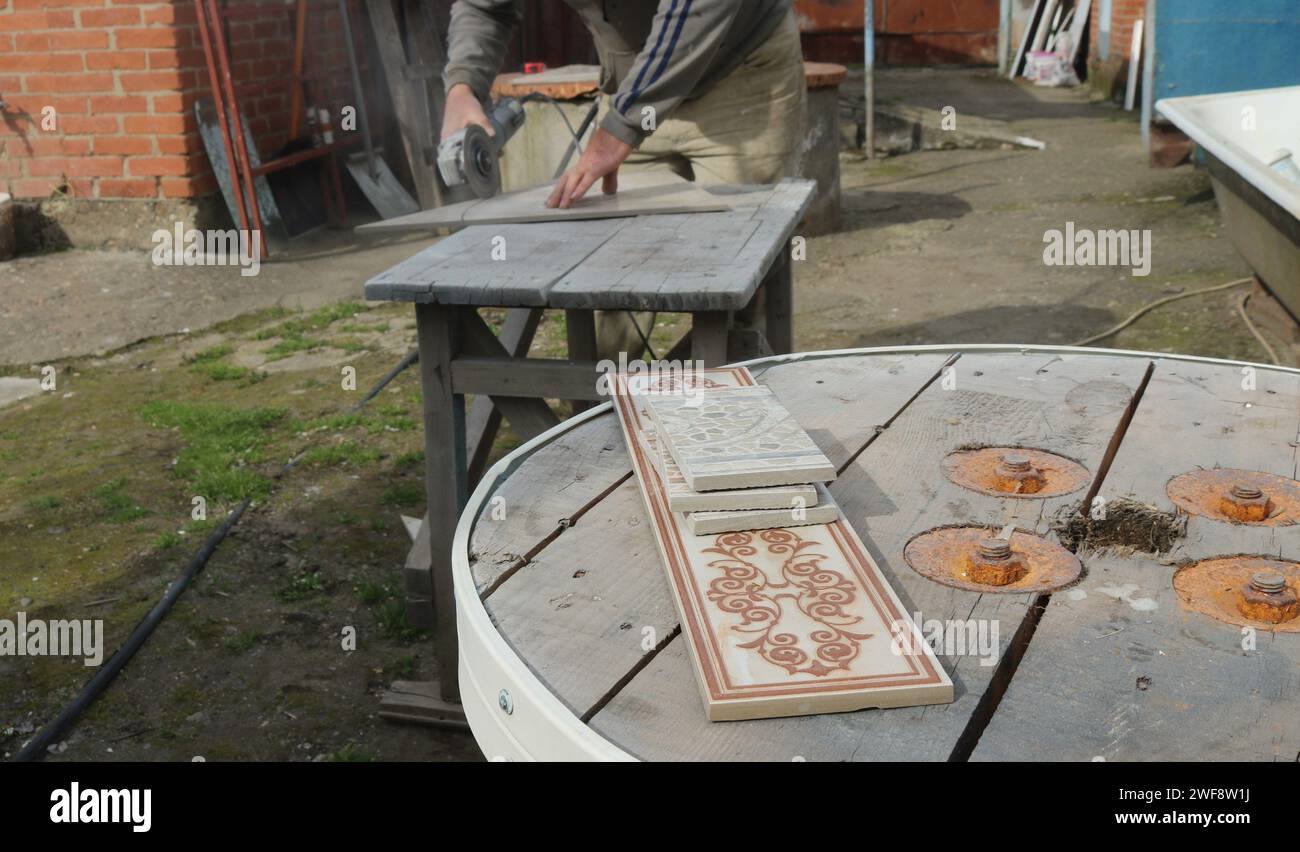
(1213, 587)
(979, 470)
(944, 555)
(1205, 493)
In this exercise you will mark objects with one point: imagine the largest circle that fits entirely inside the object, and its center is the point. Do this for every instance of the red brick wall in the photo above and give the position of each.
(1122, 17)
(123, 76)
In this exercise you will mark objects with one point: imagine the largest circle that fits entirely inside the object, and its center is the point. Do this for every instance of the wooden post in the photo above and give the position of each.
(445, 474)
(779, 305)
(581, 327)
(709, 337)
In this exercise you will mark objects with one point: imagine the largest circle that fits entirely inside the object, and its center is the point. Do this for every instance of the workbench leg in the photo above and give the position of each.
(437, 327)
(779, 289)
(581, 328)
(709, 337)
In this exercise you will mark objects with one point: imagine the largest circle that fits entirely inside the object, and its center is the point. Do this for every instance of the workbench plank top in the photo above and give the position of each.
(671, 262)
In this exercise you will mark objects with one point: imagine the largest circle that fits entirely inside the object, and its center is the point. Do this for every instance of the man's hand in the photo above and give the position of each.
(462, 110)
(604, 154)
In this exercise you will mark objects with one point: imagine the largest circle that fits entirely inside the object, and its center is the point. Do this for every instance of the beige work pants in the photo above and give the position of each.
(747, 129)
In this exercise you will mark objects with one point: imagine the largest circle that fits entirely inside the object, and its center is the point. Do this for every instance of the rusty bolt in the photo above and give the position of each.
(1016, 474)
(994, 563)
(1245, 503)
(1268, 598)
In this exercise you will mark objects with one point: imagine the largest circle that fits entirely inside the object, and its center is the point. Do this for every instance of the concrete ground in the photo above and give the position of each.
(176, 383)
(947, 245)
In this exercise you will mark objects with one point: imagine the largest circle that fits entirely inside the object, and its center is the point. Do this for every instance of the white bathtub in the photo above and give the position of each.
(1237, 131)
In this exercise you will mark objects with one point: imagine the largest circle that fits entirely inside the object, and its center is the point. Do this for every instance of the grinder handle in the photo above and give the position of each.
(507, 116)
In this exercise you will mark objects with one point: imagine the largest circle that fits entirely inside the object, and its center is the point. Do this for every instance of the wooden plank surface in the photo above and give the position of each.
(893, 490)
(707, 261)
(690, 262)
(1119, 668)
(505, 266)
(638, 195)
(565, 479)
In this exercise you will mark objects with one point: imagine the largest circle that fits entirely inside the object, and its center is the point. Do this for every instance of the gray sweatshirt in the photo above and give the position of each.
(653, 53)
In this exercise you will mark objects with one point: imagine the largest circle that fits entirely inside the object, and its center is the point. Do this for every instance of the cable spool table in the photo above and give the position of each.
(569, 639)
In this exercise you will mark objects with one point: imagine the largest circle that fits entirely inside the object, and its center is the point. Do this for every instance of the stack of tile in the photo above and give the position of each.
(735, 459)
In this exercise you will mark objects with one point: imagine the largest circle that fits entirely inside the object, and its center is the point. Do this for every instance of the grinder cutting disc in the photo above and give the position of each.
(478, 157)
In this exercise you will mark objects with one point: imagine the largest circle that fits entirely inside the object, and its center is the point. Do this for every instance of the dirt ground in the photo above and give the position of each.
(173, 383)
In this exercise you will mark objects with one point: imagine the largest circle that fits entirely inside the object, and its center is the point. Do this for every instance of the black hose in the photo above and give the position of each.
(411, 358)
(37, 747)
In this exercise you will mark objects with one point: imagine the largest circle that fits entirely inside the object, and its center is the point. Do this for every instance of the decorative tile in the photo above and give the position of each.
(736, 438)
(781, 622)
(682, 499)
(739, 520)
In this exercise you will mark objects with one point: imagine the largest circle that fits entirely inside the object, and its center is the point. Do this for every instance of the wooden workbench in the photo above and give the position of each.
(570, 639)
(710, 265)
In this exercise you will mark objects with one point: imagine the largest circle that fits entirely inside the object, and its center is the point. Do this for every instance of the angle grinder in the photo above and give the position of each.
(469, 156)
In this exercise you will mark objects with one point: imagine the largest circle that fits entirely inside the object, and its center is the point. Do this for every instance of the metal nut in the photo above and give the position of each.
(1267, 597)
(505, 702)
(1245, 503)
(994, 563)
(1015, 474)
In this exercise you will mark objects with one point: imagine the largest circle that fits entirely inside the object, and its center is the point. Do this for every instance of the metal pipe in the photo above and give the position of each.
(236, 124)
(362, 119)
(215, 82)
(869, 75)
(1148, 74)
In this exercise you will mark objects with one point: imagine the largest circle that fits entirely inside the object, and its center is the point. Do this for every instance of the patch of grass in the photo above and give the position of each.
(221, 444)
(344, 452)
(403, 668)
(290, 343)
(220, 371)
(167, 540)
(314, 321)
(362, 328)
(207, 356)
(390, 611)
(241, 642)
(120, 507)
(305, 585)
(394, 418)
(370, 593)
(250, 321)
(409, 461)
(392, 621)
(43, 503)
(352, 754)
(333, 422)
(403, 494)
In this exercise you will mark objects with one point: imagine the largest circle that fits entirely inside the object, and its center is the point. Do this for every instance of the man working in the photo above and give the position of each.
(710, 89)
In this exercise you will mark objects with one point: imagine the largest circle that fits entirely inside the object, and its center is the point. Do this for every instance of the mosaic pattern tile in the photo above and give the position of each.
(780, 622)
(736, 438)
(682, 499)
